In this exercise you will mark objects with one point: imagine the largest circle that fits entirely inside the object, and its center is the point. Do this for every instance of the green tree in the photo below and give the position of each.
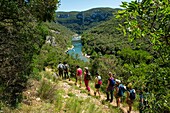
(22, 34)
(150, 20)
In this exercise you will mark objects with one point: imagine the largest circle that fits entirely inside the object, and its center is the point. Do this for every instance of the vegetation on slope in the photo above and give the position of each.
(21, 36)
(139, 53)
(81, 21)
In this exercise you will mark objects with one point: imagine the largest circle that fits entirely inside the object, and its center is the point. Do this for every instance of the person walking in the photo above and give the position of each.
(141, 101)
(120, 89)
(78, 75)
(131, 95)
(110, 87)
(60, 69)
(66, 70)
(98, 83)
(86, 79)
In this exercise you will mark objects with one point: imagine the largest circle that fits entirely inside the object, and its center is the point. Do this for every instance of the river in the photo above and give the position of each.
(76, 52)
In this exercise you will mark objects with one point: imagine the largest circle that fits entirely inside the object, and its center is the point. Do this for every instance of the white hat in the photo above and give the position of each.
(86, 68)
(99, 77)
(118, 81)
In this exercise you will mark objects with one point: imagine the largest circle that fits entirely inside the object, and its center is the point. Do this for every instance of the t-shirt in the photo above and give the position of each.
(79, 72)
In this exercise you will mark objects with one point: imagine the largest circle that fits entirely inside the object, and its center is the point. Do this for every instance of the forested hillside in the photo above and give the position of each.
(135, 46)
(132, 43)
(81, 21)
(29, 43)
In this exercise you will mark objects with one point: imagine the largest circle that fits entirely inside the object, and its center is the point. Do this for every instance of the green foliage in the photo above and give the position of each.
(143, 57)
(81, 21)
(47, 90)
(149, 20)
(77, 105)
(21, 37)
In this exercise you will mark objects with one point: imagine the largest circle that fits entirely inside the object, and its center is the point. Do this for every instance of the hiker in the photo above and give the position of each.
(143, 101)
(66, 70)
(78, 75)
(110, 87)
(120, 89)
(86, 79)
(60, 69)
(98, 83)
(131, 95)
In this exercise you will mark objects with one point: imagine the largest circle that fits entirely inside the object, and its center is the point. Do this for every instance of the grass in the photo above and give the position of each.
(71, 94)
(54, 100)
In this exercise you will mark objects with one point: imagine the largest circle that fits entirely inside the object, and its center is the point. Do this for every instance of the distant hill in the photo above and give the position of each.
(107, 39)
(81, 21)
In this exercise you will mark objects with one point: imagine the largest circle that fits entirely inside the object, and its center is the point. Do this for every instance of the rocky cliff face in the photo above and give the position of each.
(80, 21)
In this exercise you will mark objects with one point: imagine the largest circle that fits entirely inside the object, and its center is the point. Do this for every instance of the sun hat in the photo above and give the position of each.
(118, 81)
(86, 68)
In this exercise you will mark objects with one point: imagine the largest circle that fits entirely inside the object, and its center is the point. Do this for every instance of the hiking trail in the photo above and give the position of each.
(68, 84)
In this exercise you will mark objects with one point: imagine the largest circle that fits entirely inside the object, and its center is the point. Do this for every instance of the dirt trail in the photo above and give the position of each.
(102, 97)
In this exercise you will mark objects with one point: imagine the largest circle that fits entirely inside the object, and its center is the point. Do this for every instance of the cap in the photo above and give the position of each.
(86, 68)
(118, 81)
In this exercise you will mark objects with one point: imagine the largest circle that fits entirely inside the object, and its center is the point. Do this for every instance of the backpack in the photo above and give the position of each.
(122, 89)
(60, 67)
(88, 76)
(132, 94)
(65, 67)
(112, 82)
(99, 80)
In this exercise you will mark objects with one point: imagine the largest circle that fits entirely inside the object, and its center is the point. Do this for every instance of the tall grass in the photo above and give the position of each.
(79, 105)
(47, 90)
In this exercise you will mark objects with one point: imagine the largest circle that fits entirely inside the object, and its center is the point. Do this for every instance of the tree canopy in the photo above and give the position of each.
(21, 36)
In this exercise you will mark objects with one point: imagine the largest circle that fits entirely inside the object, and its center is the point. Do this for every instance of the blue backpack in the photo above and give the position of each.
(121, 90)
(132, 94)
(112, 82)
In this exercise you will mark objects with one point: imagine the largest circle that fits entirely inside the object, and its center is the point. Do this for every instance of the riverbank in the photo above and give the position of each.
(76, 50)
(69, 48)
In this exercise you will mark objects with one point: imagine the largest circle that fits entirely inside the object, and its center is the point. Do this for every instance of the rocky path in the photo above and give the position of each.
(67, 85)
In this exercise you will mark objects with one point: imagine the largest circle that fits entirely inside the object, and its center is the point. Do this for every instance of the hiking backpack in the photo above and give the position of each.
(99, 80)
(88, 76)
(65, 67)
(132, 94)
(122, 89)
(112, 82)
(60, 66)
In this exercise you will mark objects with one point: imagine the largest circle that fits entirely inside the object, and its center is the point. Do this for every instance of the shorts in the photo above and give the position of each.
(129, 102)
(79, 78)
(116, 95)
(97, 86)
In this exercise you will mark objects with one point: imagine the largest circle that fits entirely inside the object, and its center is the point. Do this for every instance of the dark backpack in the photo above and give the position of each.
(66, 67)
(121, 90)
(88, 76)
(132, 94)
(112, 82)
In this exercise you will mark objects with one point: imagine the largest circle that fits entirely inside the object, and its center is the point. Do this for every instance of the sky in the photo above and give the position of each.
(82, 5)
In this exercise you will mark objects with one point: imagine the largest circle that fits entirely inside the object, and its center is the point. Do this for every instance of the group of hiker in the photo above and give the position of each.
(114, 86)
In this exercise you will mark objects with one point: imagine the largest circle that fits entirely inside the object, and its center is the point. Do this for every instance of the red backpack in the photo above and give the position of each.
(99, 80)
